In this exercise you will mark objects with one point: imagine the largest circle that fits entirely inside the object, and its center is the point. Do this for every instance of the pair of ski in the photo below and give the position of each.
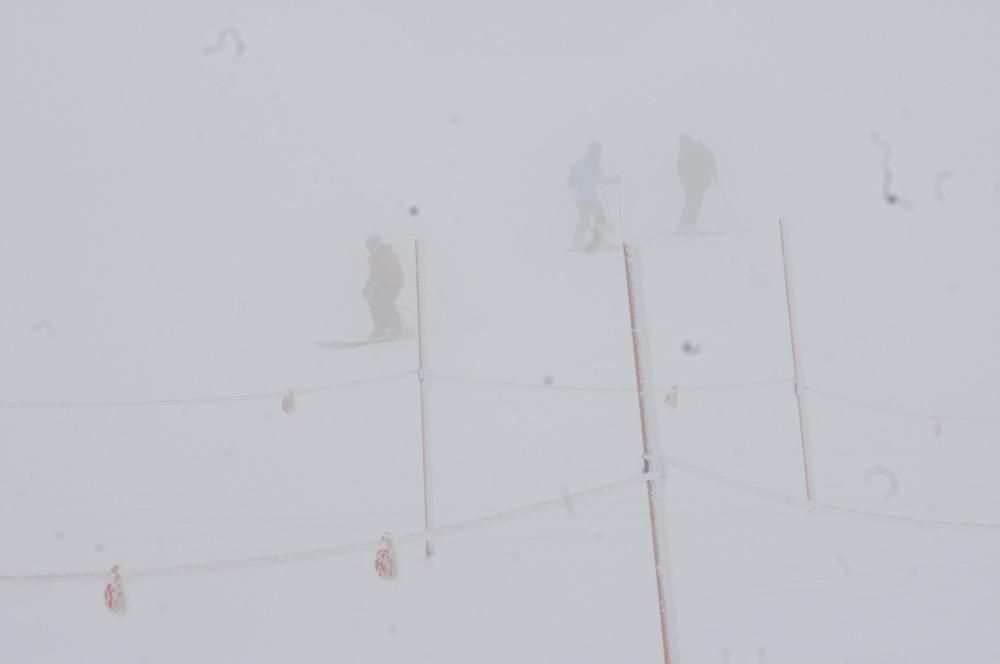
(607, 247)
(364, 342)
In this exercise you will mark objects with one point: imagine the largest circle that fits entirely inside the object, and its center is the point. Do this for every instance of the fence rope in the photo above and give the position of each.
(902, 412)
(210, 400)
(790, 500)
(343, 549)
(459, 527)
(510, 384)
(706, 387)
(520, 385)
(555, 387)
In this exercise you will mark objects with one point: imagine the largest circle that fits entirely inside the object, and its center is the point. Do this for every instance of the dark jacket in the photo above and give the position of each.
(695, 165)
(385, 273)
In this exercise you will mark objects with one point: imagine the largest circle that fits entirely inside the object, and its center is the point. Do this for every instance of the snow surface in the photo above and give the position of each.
(179, 224)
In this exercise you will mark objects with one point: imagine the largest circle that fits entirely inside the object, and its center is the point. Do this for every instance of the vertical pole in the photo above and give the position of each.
(796, 367)
(647, 455)
(422, 379)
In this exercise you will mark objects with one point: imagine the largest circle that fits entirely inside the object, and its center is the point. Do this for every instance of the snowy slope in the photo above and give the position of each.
(189, 224)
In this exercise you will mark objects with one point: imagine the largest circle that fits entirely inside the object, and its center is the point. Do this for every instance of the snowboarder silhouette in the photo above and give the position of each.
(696, 170)
(385, 281)
(584, 178)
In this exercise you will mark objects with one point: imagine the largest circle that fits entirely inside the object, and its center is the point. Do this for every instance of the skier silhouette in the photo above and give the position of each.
(385, 281)
(584, 178)
(696, 170)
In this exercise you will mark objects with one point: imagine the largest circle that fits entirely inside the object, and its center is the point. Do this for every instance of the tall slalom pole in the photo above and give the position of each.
(647, 455)
(796, 366)
(422, 378)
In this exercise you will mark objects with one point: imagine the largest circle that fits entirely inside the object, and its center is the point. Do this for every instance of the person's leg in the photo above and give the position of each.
(582, 225)
(378, 317)
(385, 315)
(600, 224)
(693, 197)
(393, 322)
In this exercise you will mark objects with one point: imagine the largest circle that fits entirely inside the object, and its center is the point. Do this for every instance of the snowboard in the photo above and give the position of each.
(363, 342)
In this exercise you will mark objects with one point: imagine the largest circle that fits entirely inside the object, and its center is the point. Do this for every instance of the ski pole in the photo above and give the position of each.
(729, 206)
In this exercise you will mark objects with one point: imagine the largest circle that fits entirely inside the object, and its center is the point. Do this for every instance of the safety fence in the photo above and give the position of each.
(666, 394)
(459, 527)
(655, 465)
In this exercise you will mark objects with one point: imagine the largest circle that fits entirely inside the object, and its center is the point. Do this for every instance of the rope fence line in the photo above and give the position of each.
(56, 576)
(468, 380)
(421, 536)
(459, 527)
(706, 387)
(732, 483)
(555, 387)
(512, 384)
(266, 560)
(902, 412)
(511, 514)
(211, 400)
(908, 520)
(332, 387)
(789, 500)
